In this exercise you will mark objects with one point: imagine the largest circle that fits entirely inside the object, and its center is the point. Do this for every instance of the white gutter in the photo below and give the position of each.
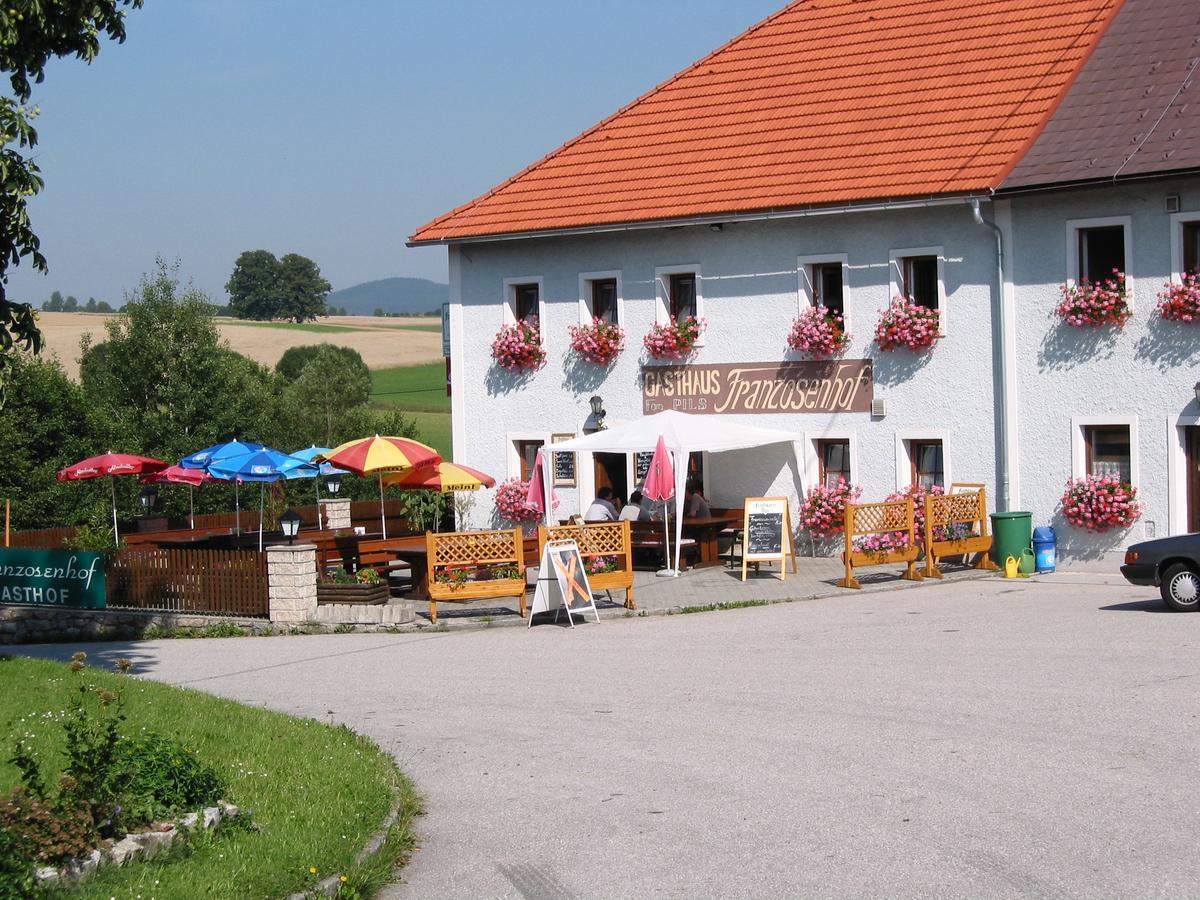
(728, 218)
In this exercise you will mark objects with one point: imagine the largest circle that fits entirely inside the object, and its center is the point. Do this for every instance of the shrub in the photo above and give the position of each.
(162, 778)
(1100, 502)
(907, 324)
(36, 831)
(818, 331)
(518, 347)
(1181, 302)
(1087, 304)
(16, 868)
(675, 340)
(823, 511)
(598, 342)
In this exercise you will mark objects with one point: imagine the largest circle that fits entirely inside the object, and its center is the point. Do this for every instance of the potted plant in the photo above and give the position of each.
(1103, 303)
(518, 347)
(907, 324)
(1100, 502)
(340, 586)
(674, 340)
(818, 331)
(599, 342)
(510, 502)
(1181, 302)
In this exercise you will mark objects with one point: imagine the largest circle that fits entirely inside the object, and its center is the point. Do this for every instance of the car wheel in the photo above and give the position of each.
(1181, 588)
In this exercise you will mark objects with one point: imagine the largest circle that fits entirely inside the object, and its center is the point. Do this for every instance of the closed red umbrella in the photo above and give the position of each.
(535, 495)
(110, 464)
(660, 486)
(193, 478)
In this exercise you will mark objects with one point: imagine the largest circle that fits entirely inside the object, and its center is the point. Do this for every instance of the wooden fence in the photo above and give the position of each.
(222, 582)
(961, 518)
(894, 521)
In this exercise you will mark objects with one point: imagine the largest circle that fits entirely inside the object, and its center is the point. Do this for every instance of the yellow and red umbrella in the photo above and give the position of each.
(443, 477)
(379, 455)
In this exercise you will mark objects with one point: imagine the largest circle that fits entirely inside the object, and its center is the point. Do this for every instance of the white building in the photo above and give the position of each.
(810, 160)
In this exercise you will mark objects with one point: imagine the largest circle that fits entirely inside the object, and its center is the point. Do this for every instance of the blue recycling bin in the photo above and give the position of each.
(1045, 548)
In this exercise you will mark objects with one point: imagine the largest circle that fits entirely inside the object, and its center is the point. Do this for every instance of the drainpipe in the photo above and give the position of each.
(1004, 339)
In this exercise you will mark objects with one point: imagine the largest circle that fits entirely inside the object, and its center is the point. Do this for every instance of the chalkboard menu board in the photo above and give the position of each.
(641, 466)
(564, 463)
(767, 533)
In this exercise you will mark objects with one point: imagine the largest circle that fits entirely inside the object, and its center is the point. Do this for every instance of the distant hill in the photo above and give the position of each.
(392, 295)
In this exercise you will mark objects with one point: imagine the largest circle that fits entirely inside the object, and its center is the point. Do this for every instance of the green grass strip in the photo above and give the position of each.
(294, 326)
(717, 607)
(318, 792)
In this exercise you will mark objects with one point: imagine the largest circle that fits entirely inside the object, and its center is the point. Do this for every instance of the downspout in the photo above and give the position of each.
(1005, 338)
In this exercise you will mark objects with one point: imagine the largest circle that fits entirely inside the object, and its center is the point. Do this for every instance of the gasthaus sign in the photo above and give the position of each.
(52, 578)
(824, 386)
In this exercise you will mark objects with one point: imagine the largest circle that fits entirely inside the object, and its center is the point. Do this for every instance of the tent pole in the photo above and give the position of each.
(681, 472)
(112, 481)
(382, 518)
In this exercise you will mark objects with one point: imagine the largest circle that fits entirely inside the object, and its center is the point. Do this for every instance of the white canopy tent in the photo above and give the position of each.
(683, 434)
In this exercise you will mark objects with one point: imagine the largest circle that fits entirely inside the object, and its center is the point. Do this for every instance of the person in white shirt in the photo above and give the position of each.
(602, 508)
(637, 509)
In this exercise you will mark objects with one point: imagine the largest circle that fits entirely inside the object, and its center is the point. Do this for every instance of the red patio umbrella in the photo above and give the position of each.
(660, 486)
(193, 478)
(535, 495)
(110, 464)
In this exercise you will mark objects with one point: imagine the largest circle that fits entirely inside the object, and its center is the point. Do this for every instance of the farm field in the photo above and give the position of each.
(383, 343)
(420, 391)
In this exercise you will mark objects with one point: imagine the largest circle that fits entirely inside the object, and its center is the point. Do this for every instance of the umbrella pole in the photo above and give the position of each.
(382, 519)
(262, 490)
(237, 508)
(317, 485)
(112, 481)
(192, 507)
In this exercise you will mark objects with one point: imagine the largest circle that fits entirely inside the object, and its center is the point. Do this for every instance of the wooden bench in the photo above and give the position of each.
(474, 550)
(649, 536)
(380, 556)
(599, 539)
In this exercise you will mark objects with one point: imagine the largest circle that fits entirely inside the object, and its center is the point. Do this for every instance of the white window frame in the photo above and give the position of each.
(804, 270)
(585, 295)
(510, 301)
(1074, 226)
(1079, 445)
(1177, 222)
(1177, 476)
(904, 440)
(812, 455)
(896, 278)
(513, 458)
(662, 290)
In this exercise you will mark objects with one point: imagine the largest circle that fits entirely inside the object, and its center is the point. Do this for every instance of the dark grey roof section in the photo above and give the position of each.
(1133, 110)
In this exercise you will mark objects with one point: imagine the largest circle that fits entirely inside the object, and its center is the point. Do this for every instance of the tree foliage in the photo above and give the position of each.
(325, 390)
(294, 359)
(263, 287)
(33, 32)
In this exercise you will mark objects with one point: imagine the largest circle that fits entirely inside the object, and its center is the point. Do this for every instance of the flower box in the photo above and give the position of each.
(1181, 302)
(1100, 502)
(818, 331)
(1087, 304)
(510, 502)
(823, 512)
(909, 325)
(370, 594)
(599, 342)
(674, 340)
(518, 347)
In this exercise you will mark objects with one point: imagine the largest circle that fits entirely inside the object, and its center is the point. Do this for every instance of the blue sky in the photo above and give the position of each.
(331, 130)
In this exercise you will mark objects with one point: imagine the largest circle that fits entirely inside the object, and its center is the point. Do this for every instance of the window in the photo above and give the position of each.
(681, 302)
(833, 457)
(928, 468)
(525, 302)
(1108, 451)
(919, 282)
(1101, 250)
(604, 299)
(827, 287)
(1191, 246)
(527, 451)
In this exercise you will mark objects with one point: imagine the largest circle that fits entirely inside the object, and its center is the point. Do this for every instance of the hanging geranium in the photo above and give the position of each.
(819, 331)
(907, 324)
(1100, 502)
(823, 511)
(510, 502)
(1181, 302)
(599, 342)
(675, 340)
(1103, 303)
(518, 347)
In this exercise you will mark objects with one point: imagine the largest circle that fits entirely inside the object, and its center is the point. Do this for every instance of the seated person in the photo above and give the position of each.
(695, 505)
(602, 508)
(637, 510)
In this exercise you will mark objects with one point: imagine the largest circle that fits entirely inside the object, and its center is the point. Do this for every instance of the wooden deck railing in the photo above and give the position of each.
(222, 582)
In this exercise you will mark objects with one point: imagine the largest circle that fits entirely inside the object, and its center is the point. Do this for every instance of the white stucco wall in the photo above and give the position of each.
(1143, 373)
(750, 291)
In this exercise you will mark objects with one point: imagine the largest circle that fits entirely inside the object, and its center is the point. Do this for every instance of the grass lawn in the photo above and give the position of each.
(418, 326)
(434, 429)
(317, 792)
(293, 326)
(420, 387)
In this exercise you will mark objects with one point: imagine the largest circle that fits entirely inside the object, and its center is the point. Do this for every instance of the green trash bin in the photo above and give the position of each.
(1012, 532)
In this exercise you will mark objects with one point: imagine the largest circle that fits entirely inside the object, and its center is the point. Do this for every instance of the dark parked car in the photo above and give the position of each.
(1172, 565)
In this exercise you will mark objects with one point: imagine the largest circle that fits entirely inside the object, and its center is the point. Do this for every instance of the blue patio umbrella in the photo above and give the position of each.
(262, 465)
(306, 456)
(220, 453)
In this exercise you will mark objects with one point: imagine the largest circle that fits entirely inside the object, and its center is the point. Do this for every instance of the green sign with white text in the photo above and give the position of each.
(52, 578)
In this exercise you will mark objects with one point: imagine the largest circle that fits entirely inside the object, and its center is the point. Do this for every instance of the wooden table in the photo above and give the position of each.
(706, 532)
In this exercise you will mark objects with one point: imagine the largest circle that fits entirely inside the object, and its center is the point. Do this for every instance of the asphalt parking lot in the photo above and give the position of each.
(983, 738)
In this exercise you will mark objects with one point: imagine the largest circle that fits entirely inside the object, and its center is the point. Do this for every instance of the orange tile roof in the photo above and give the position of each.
(825, 102)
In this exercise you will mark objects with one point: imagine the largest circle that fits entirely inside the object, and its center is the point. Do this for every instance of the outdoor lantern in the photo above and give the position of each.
(148, 496)
(333, 482)
(290, 523)
(598, 413)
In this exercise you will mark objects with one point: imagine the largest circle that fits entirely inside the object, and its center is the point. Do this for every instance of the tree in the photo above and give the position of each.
(70, 304)
(90, 306)
(30, 35)
(294, 359)
(253, 286)
(325, 392)
(55, 303)
(302, 290)
(104, 307)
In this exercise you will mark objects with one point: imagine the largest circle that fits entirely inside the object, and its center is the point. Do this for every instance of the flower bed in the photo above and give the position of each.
(518, 347)
(823, 511)
(510, 502)
(599, 342)
(818, 331)
(459, 575)
(1087, 304)
(907, 324)
(1181, 302)
(1100, 502)
(675, 340)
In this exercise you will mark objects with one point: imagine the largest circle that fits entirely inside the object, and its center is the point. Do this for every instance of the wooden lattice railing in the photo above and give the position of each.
(960, 520)
(895, 518)
(474, 552)
(598, 540)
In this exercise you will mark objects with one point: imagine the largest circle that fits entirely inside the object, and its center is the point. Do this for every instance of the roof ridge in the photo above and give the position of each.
(583, 134)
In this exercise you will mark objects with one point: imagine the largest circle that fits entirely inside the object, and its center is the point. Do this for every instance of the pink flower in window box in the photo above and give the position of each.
(823, 510)
(598, 342)
(510, 502)
(907, 324)
(1100, 502)
(1104, 303)
(1181, 302)
(518, 347)
(674, 340)
(818, 331)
